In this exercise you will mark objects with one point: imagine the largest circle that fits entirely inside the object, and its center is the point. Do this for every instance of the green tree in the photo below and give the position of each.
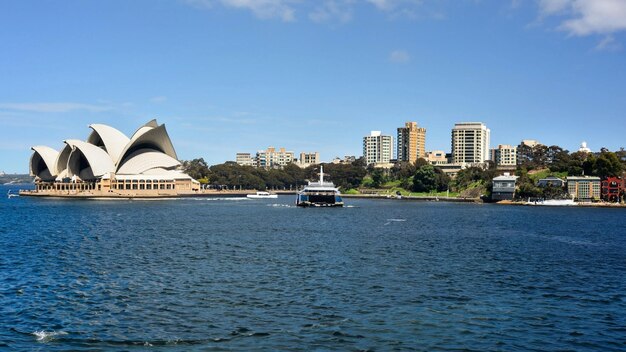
(425, 179)
(608, 164)
(442, 180)
(196, 168)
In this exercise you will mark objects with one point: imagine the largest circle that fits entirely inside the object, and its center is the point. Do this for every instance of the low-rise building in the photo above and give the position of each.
(551, 181)
(612, 189)
(504, 187)
(308, 159)
(348, 159)
(437, 157)
(244, 159)
(584, 188)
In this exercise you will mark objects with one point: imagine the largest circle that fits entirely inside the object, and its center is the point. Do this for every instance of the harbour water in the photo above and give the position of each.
(240, 274)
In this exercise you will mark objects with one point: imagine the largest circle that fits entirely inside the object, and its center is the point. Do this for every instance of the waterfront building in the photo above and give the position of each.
(378, 149)
(504, 187)
(437, 157)
(244, 159)
(504, 155)
(584, 188)
(551, 181)
(308, 159)
(612, 189)
(272, 158)
(411, 142)
(470, 143)
(110, 164)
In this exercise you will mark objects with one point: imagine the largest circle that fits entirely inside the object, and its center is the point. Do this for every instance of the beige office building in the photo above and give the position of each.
(470, 143)
(308, 159)
(411, 142)
(504, 155)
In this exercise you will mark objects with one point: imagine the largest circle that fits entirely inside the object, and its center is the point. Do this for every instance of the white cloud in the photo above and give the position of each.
(324, 10)
(608, 43)
(263, 9)
(551, 7)
(587, 17)
(53, 107)
(389, 5)
(340, 10)
(158, 99)
(399, 57)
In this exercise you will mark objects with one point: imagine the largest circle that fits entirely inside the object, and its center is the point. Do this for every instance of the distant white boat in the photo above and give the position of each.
(262, 195)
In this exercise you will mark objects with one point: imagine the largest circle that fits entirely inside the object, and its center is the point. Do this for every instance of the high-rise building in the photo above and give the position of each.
(377, 148)
(271, 158)
(504, 155)
(411, 142)
(470, 143)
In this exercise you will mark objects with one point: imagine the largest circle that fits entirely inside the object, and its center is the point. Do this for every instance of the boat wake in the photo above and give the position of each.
(389, 221)
(45, 336)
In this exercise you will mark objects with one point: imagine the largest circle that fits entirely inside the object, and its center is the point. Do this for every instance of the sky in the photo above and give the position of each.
(228, 76)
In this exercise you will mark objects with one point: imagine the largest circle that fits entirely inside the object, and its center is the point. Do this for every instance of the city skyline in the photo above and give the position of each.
(227, 76)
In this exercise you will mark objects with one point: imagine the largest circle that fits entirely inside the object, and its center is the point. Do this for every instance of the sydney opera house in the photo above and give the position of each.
(109, 164)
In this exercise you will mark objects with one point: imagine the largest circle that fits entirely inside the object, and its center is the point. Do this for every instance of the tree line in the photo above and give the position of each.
(418, 177)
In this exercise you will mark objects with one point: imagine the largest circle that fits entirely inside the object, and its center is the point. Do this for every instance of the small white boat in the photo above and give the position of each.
(262, 195)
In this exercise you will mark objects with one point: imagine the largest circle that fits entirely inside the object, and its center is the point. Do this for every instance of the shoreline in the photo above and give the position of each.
(414, 198)
(577, 205)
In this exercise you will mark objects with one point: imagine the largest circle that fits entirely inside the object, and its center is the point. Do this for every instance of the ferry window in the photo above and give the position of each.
(149, 186)
(162, 186)
(127, 186)
(135, 186)
(142, 186)
(169, 186)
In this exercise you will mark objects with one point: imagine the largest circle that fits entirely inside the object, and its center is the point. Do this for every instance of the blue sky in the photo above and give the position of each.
(241, 75)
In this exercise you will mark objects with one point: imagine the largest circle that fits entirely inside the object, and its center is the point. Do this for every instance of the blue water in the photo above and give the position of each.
(237, 274)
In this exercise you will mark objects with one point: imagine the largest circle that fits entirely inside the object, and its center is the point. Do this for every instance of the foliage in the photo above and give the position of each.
(196, 168)
(608, 164)
(425, 179)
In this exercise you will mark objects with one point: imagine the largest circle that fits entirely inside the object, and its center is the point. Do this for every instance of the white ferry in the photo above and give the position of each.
(319, 194)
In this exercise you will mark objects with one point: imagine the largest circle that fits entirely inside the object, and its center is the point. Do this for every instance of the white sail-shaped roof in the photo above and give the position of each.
(43, 162)
(148, 137)
(96, 161)
(108, 137)
(107, 152)
(142, 160)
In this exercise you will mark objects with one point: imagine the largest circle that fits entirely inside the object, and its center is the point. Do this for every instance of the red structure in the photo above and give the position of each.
(612, 189)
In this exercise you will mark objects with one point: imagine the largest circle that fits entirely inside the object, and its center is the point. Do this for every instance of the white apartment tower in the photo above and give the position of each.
(377, 148)
(470, 143)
